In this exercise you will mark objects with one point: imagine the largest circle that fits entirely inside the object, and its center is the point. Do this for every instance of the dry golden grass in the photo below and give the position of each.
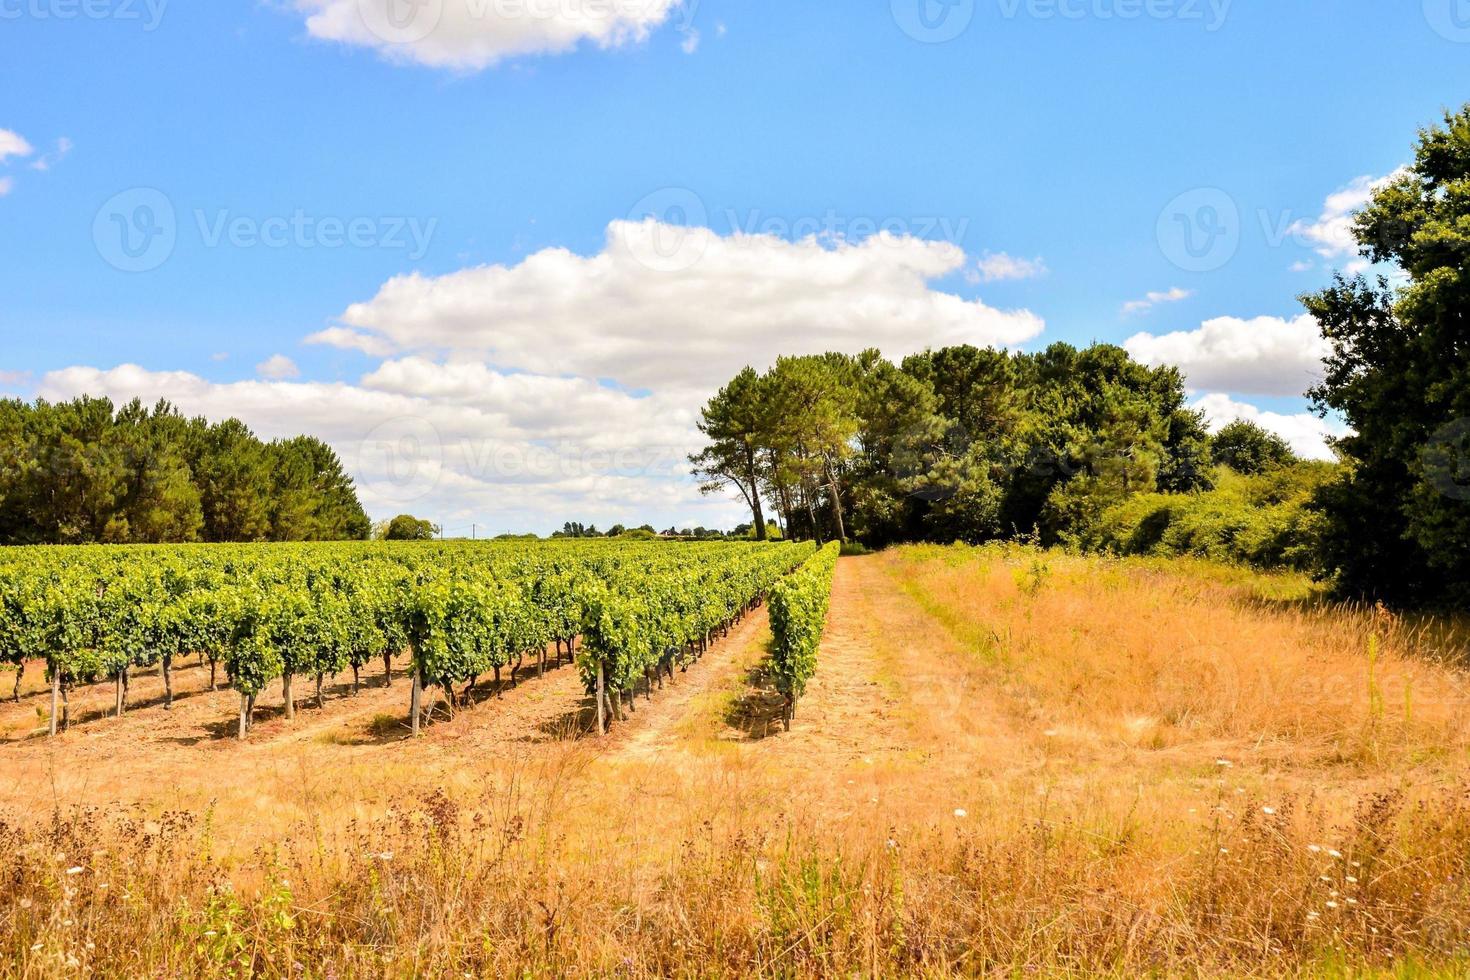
(1010, 762)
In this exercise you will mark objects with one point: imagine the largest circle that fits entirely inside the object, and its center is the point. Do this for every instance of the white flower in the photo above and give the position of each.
(1224, 763)
(1268, 811)
(75, 871)
(961, 814)
(1336, 854)
(1314, 848)
(1332, 905)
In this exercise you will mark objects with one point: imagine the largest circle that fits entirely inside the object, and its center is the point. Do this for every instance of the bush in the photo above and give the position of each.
(1262, 520)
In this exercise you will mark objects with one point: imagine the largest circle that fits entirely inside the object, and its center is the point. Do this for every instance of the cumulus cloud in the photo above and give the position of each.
(470, 35)
(1266, 355)
(458, 440)
(998, 267)
(278, 367)
(682, 308)
(1304, 432)
(1150, 300)
(1331, 234)
(12, 144)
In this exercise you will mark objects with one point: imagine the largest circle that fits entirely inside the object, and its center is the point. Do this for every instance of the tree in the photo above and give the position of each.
(735, 421)
(1247, 448)
(406, 527)
(1398, 520)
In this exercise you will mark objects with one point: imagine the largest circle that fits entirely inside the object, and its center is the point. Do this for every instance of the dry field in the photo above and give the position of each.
(1009, 763)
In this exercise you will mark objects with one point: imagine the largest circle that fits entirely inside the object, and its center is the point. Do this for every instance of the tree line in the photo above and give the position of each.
(86, 471)
(972, 444)
(961, 443)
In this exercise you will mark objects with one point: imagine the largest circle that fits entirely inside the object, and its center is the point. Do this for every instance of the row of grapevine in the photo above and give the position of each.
(288, 612)
(798, 608)
(641, 623)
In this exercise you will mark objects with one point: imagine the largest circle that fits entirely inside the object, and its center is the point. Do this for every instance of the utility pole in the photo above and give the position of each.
(474, 532)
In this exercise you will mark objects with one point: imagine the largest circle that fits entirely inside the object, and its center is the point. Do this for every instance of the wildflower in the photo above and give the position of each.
(1332, 905)
(1268, 811)
(1351, 901)
(1050, 733)
(25, 903)
(75, 870)
(1351, 880)
(961, 814)
(1223, 763)
(1336, 854)
(38, 947)
(1314, 848)
(1224, 850)
(1313, 915)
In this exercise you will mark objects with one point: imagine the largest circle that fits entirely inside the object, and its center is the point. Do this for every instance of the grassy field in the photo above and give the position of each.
(1010, 762)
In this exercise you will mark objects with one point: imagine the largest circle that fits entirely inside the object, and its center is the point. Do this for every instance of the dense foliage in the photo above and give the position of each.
(284, 612)
(1263, 519)
(953, 444)
(798, 605)
(1398, 522)
(83, 472)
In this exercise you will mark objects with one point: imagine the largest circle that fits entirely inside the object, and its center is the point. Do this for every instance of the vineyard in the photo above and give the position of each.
(630, 614)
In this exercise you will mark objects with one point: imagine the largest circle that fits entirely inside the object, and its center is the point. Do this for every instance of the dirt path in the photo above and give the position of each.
(899, 713)
(668, 722)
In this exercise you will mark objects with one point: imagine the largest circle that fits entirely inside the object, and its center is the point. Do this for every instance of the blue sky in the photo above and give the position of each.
(470, 235)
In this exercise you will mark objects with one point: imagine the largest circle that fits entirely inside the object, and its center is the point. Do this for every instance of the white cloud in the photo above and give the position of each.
(1331, 235)
(998, 267)
(690, 44)
(278, 367)
(1266, 355)
(1151, 300)
(1304, 432)
(629, 314)
(1305, 265)
(475, 34)
(459, 441)
(12, 144)
(7, 185)
(50, 159)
